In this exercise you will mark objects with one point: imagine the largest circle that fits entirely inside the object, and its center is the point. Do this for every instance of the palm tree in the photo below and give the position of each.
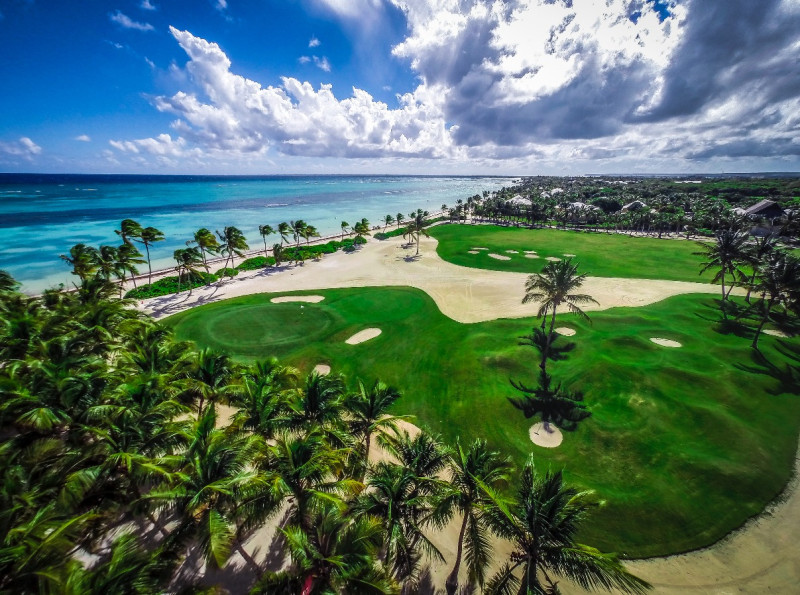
(361, 228)
(297, 228)
(553, 287)
(263, 397)
(388, 220)
(309, 231)
(207, 242)
(416, 227)
(108, 263)
(472, 468)
(779, 284)
(129, 230)
(337, 554)
(83, 259)
(399, 218)
(277, 254)
(148, 237)
(344, 225)
(542, 523)
(129, 257)
(233, 243)
(265, 230)
(754, 255)
(188, 259)
(724, 254)
(209, 378)
(284, 230)
(367, 410)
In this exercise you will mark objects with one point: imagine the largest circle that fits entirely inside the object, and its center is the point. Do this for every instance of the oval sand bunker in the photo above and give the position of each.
(473, 252)
(774, 332)
(499, 256)
(322, 369)
(365, 335)
(311, 299)
(531, 256)
(544, 438)
(553, 259)
(665, 342)
(565, 331)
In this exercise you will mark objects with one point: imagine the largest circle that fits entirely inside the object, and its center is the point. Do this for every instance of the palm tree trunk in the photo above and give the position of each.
(724, 314)
(149, 267)
(248, 558)
(764, 319)
(452, 580)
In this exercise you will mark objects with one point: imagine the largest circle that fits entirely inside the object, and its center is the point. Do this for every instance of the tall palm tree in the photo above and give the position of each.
(207, 242)
(189, 260)
(308, 232)
(542, 523)
(265, 230)
(149, 236)
(344, 225)
(209, 378)
(416, 227)
(129, 230)
(233, 243)
(129, 257)
(399, 218)
(263, 397)
(387, 220)
(553, 287)
(724, 254)
(297, 228)
(83, 259)
(361, 228)
(284, 230)
(470, 469)
(755, 255)
(367, 411)
(778, 284)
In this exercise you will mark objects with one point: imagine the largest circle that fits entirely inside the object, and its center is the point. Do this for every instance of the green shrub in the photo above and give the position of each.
(359, 240)
(226, 272)
(257, 262)
(169, 285)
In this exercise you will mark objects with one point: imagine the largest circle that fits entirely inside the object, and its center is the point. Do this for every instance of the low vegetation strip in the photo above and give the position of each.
(678, 452)
(599, 254)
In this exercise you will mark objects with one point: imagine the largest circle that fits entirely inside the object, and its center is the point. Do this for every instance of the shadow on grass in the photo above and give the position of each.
(788, 376)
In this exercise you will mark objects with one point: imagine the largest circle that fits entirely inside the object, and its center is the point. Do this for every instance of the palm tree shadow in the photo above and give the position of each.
(561, 352)
(788, 376)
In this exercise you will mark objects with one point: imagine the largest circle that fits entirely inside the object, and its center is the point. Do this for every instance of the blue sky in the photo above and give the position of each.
(399, 86)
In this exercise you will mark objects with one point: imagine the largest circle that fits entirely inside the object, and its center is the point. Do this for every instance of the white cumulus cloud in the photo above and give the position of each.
(84, 138)
(314, 42)
(24, 147)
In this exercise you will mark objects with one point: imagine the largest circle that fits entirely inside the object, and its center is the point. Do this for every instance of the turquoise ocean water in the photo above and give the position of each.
(42, 216)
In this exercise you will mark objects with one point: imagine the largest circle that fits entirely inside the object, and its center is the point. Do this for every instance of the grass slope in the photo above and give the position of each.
(599, 254)
(683, 446)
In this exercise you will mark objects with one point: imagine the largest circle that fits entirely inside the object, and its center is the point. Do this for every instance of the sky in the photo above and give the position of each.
(515, 87)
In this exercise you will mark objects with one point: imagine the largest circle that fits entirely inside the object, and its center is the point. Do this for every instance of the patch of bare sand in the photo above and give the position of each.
(570, 255)
(473, 252)
(499, 256)
(553, 258)
(665, 342)
(512, 251)
(565, 331)
(310, 299)
(322, 369)
(546, 437)
(365, 335)
(531, 256)
(774, 332)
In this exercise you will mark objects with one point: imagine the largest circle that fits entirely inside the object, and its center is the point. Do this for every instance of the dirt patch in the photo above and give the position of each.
(365, 335)
(665, 342)
(499, 256)
(549, 437)
(310, 299)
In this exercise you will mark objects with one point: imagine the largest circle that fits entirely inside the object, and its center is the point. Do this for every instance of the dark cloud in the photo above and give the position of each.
(773, 147)
(727, 44)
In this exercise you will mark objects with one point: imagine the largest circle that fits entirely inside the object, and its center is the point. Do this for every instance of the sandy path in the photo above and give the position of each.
(464, 294)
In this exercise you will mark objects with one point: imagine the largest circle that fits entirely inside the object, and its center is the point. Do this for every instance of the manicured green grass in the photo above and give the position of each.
(598, 254)
(683, 446)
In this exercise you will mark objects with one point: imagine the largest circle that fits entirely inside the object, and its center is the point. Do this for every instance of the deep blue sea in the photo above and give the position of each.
(42, 216)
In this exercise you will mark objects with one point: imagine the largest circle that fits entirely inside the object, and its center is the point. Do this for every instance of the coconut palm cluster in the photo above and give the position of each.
(133, 463)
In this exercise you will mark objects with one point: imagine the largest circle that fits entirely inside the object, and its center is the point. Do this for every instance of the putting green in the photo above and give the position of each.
(598, 254)
(683, 445)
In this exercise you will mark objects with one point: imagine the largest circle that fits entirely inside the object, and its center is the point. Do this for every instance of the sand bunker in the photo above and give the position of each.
(473, 252)
(312, 299)
(365, 335)
(531, 256)
(512, 251)
(553, 259)
(774, 332)
(322, 369)
(665, 342)
(545, 438)
(565, 331)
(499, 256)
(530, 251)
(570, 255)
(480, 248)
